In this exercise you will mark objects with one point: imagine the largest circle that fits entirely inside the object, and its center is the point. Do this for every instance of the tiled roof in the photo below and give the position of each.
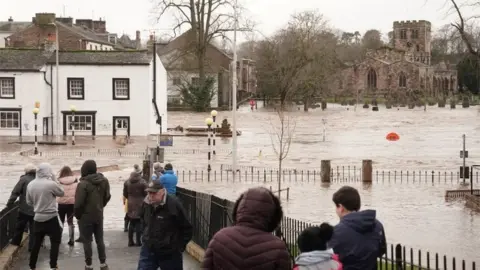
(13, 26)
(22, 59)
(84, 33)
(103, 58)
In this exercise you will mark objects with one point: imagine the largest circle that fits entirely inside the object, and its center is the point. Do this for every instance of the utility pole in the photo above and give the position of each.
(234, 92)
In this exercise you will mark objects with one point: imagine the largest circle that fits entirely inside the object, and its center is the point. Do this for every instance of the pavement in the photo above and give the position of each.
(119, 256)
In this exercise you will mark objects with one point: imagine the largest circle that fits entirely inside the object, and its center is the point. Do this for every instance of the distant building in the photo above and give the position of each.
(84, 34)
(181, 65)
(111, 90)
(405, 66)
(9, 27)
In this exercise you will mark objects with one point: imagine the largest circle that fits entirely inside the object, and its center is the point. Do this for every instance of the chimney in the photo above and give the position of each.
(10, 19)
(43, 19)
(85, 23)
(100, 26)
(68, 21)
(138, 40)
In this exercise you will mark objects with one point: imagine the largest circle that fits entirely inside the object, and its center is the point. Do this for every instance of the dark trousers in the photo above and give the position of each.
(150, 260)
(66, 210)
(135, 226)
(22, 221)
(53, 229)
(87, 230)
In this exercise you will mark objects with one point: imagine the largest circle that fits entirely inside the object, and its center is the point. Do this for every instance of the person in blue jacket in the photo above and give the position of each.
(359, 238)
(169, 180)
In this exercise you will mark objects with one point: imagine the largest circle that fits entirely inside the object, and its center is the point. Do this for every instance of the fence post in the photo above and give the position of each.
(146, 170)
(325, 169)
(398, 257)
(367, 171)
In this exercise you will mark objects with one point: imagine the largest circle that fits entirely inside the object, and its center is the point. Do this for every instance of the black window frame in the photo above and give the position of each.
(114, 92)
(69, 96)
(14, 90)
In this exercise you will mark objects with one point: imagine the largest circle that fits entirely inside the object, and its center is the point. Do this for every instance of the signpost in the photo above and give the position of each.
(464, 155)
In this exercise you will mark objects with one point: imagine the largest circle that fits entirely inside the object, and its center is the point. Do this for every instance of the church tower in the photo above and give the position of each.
(413, 37)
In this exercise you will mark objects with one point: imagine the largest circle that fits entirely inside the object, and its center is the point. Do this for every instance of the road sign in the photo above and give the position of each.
(166, 140)
(461, 154)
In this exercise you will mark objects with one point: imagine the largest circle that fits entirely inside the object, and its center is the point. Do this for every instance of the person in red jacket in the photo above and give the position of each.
(312, 243)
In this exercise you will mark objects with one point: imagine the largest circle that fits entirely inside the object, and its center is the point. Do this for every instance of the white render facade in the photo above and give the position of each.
(111, 99)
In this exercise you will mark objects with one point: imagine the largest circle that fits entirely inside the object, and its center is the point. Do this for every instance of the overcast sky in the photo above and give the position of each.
(349, 15)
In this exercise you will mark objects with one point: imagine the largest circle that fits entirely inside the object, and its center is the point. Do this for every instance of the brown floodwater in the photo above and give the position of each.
(414, 214)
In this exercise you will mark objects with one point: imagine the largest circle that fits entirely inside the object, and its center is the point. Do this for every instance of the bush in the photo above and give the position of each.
(197, 96)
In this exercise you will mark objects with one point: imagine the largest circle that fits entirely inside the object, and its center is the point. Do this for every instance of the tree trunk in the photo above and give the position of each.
(305, 105)
(280, 176)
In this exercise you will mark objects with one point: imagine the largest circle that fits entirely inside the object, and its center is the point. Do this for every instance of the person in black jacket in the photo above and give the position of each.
(25, 215)
(167, 230)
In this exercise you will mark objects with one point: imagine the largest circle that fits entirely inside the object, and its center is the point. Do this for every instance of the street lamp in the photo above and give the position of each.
(73, 109)
(209, 122)
(57, 48)
(234, 91)
(214, 114)
(36, 110)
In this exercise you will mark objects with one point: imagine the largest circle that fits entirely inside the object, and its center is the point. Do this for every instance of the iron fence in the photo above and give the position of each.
(118, 152)
(314, 176)
(8, 220)
(208, 214)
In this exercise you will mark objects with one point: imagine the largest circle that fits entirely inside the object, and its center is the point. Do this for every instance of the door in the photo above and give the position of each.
(45, 125)
(121, 126)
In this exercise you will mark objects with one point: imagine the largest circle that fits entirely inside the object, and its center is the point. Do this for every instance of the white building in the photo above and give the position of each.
(111, 90)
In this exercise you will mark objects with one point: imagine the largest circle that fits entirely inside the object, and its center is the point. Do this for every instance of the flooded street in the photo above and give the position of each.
(414, 214)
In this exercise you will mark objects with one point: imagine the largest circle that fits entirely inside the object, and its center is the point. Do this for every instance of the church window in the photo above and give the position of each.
(372, 79)
(402, 80)
(418, 48)
(403, 34)
(414, 34)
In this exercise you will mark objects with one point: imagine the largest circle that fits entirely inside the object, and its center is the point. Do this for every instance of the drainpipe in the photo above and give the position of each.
(51, 93)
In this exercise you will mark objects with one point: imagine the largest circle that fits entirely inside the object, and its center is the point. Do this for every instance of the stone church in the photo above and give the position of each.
(403, 67)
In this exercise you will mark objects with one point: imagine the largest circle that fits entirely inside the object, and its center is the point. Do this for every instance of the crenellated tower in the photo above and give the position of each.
(413, 37)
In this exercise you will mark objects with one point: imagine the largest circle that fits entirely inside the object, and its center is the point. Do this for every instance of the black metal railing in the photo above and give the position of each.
(8, 220)
(209, 214)
(314, 176)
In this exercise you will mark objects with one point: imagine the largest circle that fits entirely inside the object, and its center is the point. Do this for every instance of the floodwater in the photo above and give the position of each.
(414, 214)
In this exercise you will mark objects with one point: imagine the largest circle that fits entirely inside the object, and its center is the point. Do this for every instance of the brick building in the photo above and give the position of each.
(403, 67)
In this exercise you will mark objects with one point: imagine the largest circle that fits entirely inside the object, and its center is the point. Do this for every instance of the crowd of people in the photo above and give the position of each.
(157, 222)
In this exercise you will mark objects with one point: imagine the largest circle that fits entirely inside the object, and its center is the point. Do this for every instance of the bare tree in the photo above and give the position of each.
(207, 20)
(283, 129)
(463, 27)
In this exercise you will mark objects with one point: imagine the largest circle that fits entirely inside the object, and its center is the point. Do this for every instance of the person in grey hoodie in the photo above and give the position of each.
(42, 194)
(314, 255)
(25, 215)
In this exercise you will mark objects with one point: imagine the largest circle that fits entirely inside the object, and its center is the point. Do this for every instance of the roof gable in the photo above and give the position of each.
(12, 27)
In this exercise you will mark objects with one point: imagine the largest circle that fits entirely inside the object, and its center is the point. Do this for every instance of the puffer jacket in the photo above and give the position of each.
(250, 244)
(134, 193)
(318, 260)
(20, 190)
(69, 184)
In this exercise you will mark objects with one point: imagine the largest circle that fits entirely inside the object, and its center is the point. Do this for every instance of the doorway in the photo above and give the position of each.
(121, 126)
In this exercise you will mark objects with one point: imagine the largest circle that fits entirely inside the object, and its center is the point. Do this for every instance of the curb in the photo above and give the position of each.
(195, 251)
(7, 256)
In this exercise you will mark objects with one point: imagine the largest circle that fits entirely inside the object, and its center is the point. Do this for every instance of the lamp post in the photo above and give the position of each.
(209, 122)
(234, 91)
(36, 110)
(214, 114)
(73, 109)
(57, 79)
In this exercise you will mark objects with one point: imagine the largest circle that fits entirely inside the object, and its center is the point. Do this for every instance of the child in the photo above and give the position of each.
(312, 243)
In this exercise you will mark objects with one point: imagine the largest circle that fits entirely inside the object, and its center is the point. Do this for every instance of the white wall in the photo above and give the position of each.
(92, 46)
(3, 35)
(161, 96)
(29, 88)
(173, 90)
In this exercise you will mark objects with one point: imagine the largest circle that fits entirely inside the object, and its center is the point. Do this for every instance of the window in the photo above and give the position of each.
(372, 79)
(402, 80)
(414, 34)
(403, 34)
(195, 80)
(121, 89)
(9, 119)
(418, 48)
(76, 88)
(91, 47)
(177, 81)
(81, 123)
(7, 88)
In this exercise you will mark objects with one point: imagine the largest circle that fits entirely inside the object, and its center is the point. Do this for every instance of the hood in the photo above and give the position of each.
(67, 180)
(135, 177)
(362, 221)
(258, 209)
(44, 171)
(95, 179)
(314, 257)
(168, 172)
